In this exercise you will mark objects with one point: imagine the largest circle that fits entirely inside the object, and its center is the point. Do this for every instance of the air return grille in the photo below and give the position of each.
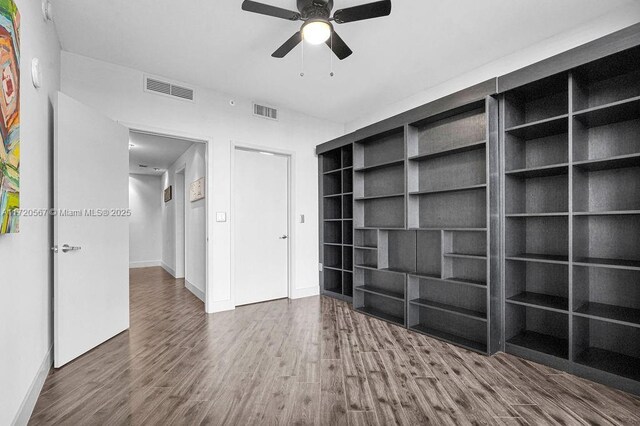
(265, 112)
(153, 85)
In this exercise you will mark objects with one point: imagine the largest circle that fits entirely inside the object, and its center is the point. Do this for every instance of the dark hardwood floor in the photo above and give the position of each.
(307, 361)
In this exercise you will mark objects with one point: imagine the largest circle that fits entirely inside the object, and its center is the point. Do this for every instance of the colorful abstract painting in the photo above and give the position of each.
(9, 116)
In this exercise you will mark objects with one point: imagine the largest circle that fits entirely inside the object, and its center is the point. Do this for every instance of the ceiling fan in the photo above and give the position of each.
(317, 27)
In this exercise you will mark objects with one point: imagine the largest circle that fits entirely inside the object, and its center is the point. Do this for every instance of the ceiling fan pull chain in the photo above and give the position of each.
(331, 55)
(302, 64)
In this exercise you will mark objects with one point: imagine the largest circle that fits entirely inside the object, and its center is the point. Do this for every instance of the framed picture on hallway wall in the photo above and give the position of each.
(9, 117)
(197, 190)
(168, 194)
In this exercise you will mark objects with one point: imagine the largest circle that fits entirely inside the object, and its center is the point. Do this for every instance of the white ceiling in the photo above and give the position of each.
(214, 44)
(154, 151)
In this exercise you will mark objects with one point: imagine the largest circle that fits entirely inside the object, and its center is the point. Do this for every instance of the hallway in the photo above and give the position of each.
(306, 361)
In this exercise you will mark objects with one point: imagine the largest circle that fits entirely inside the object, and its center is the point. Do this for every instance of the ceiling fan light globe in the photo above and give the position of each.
(316, 32)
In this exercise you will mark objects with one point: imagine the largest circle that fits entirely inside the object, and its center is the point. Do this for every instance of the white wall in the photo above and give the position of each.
(117, 92)
(194, 164)
(145, 227)
(25, 258)
(600, 27)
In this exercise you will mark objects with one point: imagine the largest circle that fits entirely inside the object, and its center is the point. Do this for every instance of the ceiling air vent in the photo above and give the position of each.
(153, 85)
(265, 112)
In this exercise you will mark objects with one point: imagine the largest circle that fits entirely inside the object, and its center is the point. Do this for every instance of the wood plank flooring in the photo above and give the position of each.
(306, 361)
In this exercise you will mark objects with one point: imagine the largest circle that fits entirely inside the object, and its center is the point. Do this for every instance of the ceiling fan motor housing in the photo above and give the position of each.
(315, 9)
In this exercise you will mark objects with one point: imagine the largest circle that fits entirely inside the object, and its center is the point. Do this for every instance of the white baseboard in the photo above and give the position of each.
(222, 305)
(29, 402)
(299, 293)
(168, 269)
(145, 264)
(195, 290)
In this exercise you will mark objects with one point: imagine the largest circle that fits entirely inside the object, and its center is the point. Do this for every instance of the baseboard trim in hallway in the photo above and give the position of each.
(145, 264)
(29, 402)
(195, 290)
(168, 269)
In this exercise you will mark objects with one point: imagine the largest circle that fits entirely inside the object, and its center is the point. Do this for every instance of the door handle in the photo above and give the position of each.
(284, 237)
(67, 248)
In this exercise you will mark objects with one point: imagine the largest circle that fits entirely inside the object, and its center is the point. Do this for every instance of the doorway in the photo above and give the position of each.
(178, 237)
(261, 191)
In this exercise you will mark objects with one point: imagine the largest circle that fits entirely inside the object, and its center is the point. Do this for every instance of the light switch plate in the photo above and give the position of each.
(221, 216)
(301, 218)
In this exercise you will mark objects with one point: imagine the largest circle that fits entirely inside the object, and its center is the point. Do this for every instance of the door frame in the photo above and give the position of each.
(181, 219)
(290, 156)
(208, 142)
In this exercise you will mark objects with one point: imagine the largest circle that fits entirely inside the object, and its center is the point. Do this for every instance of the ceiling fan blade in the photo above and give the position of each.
(338, 46)
(365, 11)
(265, 9)
(288, 45)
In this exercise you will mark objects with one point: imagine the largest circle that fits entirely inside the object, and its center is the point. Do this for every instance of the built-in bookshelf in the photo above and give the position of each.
(423, 207)
(507, 216)
(572, 219)
(336, 222)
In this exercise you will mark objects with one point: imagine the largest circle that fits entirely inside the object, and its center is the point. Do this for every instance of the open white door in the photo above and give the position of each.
(91, 230)
(261, 222)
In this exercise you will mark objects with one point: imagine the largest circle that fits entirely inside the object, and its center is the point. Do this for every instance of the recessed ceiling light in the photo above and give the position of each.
(144, 166)
(157, 169)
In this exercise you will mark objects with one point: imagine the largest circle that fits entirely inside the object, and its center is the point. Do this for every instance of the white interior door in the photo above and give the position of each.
(261, 226)
(91, 283)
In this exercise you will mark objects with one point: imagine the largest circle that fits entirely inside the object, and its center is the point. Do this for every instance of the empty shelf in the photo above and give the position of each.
(451, 338)
(466, 256)
(540, 300)
(542, 128)
(545, 258)
(614, 112)
(365, 248)
(542, 343)
(379, 165)
(438, 191)
(556, 214)
(332, 171)
(371, 267)
(333, 195)
(395, 271)
(456, 150)
(628, 316)
(632, 160)
(381, 315)
(473, 283)
(450, 229)
(609, 263)
(608, 213)
(543, 171)
(377, 197)
(380, 292)
(333, 268)
(450, 308)
(453, 280)
(611, 362)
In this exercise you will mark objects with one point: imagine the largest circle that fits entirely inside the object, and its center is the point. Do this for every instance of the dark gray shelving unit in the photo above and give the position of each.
(546, 234)
(336, 222)
(452, 170)
(425, 225)
(571, 162)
